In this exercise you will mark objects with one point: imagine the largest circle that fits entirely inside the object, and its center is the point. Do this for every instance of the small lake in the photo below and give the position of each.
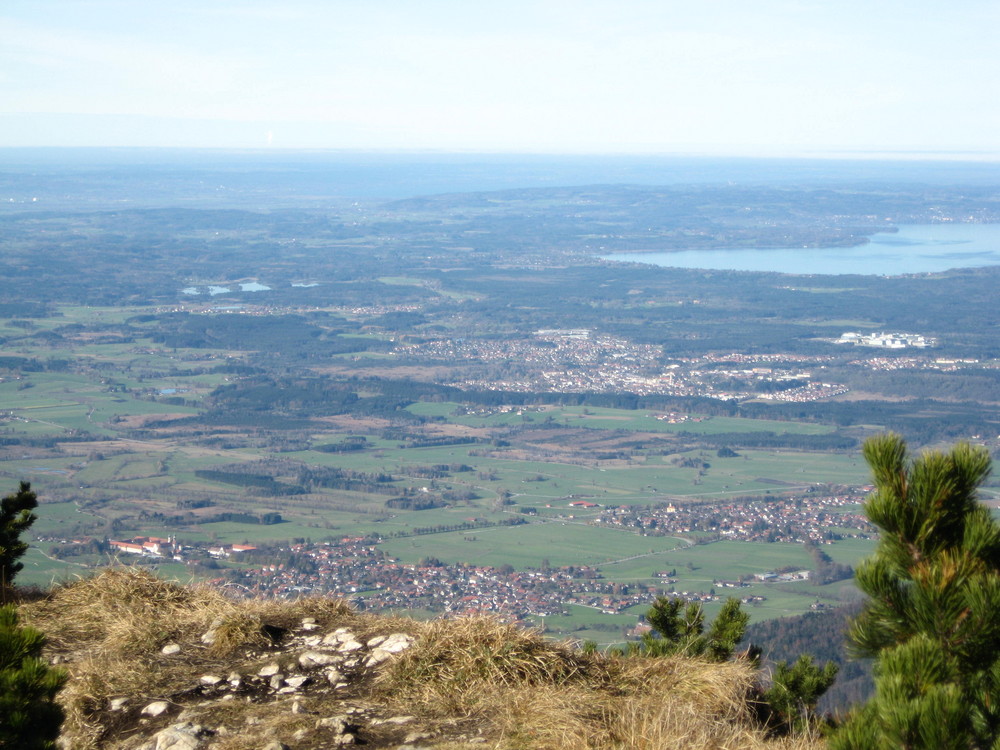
(915, 248)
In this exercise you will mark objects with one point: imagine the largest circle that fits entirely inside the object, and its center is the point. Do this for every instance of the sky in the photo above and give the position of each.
(760, 77)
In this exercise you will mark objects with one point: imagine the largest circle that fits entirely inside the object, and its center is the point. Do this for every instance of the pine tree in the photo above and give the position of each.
(29, 717)
(15, 518)
(795, 690)
(680, 629)
(934, 593)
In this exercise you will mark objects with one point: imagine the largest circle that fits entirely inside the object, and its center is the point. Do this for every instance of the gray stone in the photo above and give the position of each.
(117, 704)
(269, 670)
(376, 641)
(184, 736)
(416, 737)
(376, 657)
(156, 708)
(317, 659)
(338, 724)
(340, 635)
(397, 642)
(334, 676)
(297, 681)
(277, 680)
(349, 646)
(210, 679)
(171, 649)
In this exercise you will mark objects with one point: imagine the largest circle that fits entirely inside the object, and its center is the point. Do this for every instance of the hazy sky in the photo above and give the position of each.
(737, 76)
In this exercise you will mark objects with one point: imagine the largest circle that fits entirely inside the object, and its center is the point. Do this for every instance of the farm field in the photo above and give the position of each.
(114, 445)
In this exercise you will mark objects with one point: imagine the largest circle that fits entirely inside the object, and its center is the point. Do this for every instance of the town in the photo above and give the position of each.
(354, 567)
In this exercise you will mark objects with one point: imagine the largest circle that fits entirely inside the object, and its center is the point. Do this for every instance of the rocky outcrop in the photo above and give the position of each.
(307, 674)
(157, 666)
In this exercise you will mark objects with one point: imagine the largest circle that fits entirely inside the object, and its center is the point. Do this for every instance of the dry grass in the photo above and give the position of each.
(109, 630)
(532, 693)
(465, 676)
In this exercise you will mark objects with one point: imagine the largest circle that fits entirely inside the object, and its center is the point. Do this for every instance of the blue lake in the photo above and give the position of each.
(916, 248)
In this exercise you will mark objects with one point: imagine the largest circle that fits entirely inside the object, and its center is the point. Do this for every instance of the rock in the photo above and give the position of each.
(376, 657)
(376, 641)
(309, 623)
(397, 642)
(317, 659)
(208, 638)
(276, 746)
(333, 676)
(390, 645)
(416, 737)
(210, 679)
(181, 737)
(340, 635)
(277, 680)
(117, 704)
(399, 720)
(349, 646)
(341, 727)
(156, 708)
(269, 670)
(170, 649)
(235, 679)
(297, 681)
(339, 724)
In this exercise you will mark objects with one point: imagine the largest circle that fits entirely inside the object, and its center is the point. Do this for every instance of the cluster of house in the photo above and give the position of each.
(169, 547)
(885, 340)
(780, 519)
(356, 569)
(571, 361)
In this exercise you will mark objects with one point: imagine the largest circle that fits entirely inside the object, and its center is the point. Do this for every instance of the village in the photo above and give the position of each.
(817, 518)
(357, 569)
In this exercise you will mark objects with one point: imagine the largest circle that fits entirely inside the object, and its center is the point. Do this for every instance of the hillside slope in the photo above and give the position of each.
(155, 665)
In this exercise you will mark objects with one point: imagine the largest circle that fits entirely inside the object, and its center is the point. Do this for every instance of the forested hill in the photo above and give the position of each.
(822, 635)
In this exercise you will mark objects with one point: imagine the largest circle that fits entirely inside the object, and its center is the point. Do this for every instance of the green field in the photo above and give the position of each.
(528, 545)
(89, 446)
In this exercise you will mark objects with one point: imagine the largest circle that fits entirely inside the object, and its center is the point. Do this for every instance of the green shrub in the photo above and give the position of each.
(29, 717)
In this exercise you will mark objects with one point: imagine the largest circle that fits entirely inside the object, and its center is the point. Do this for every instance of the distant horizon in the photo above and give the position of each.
(872, 154)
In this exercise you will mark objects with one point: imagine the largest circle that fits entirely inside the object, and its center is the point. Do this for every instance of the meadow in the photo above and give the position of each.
(96, 439)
